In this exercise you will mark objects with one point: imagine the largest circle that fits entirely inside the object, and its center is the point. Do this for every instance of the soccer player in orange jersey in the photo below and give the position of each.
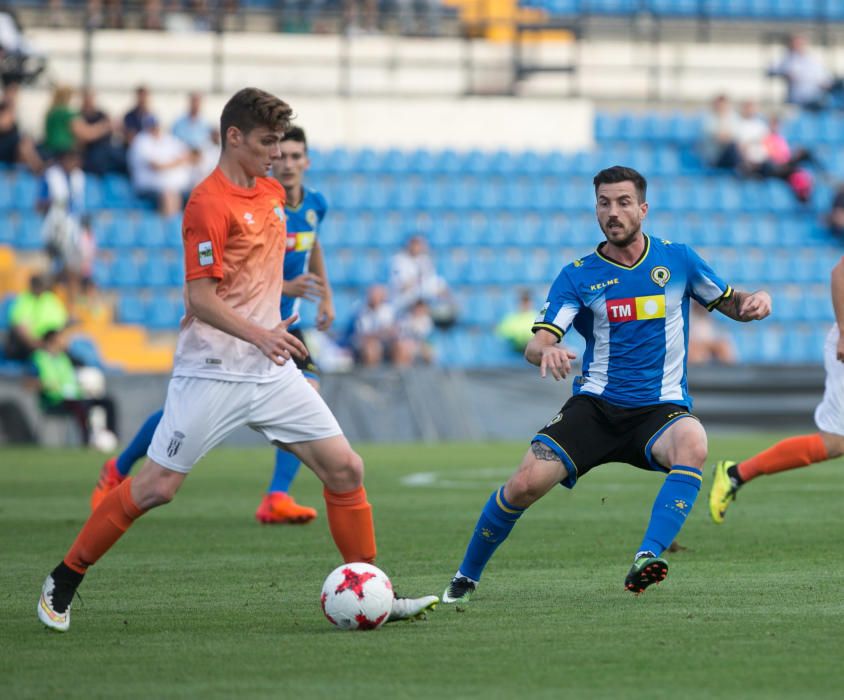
(801, 450)
(233, 361)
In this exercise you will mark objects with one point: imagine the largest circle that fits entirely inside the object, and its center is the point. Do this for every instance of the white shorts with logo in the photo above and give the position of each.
(200, 413)
(829, 415)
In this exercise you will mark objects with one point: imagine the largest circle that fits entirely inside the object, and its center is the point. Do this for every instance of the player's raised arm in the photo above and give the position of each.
(746, 306)
(206, 305)
(544, 351)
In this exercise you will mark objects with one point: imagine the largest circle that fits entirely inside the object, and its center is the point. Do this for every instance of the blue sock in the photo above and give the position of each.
(286, 467)
(497, 519)
(672, 505)
(139, 445)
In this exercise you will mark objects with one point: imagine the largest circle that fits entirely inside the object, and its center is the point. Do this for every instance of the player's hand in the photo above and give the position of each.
(280, 345)
(755, 306)
(557, 360)
(307, 285)
(325, 314)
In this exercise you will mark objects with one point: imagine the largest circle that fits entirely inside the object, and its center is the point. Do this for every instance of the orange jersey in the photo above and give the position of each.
(237, 236)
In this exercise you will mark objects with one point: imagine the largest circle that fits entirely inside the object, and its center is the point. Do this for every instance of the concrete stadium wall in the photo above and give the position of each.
(433, 404)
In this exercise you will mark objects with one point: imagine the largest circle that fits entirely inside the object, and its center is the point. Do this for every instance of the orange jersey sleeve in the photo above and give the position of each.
(205, 230)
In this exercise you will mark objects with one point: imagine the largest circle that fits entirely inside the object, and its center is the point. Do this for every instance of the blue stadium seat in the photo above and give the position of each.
(126, 273)
(131, 308)
(155, 272)
(164, 312)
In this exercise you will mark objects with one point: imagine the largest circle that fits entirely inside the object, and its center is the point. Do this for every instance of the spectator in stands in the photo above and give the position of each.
(751, 136)
(356, 10)
(15, 146)
(414, 329)
(133, 119)
(409, 20)
(516, 326)
(707, 342)
(374, 329)
(720, 133)
(413, 277)
(191, 128)
(300, 15)
(835, 218)
(809, 83)
(93, 130)
(160, 167)
(20, 62)
(31, 315)
(787, 163)
(61, 392)
(58, 132)
(62, 200)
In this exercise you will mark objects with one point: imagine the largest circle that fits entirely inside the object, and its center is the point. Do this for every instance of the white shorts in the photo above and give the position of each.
(829, 415)
(200, 413)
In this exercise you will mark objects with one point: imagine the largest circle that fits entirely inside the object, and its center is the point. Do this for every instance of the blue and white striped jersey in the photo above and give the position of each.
(302, 228)
(635, 320)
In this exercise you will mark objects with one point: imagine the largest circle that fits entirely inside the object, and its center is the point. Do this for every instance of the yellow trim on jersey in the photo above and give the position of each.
(550, 327)
(726, 295)
(500, 502)
(634, 265)
(683, 471)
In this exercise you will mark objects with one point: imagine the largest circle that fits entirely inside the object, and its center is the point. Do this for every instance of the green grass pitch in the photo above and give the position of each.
(198, 600)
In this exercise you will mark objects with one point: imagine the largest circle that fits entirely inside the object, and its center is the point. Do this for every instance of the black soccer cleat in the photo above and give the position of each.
(646, 570)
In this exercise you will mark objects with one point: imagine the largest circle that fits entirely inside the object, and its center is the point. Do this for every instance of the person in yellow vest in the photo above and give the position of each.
(32, 314)
(61, 393)
(516, 326)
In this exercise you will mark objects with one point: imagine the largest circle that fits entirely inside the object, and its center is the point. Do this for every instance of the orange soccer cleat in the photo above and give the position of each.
(109, 479)
(280, 507)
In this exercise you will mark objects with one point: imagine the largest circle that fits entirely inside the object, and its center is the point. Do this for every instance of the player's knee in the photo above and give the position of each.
(156, 494)
(693, 453)
(346, 473)
(521, 491)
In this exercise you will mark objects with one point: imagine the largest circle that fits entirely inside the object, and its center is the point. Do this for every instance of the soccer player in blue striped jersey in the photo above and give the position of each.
(305, 277)
(630, 300)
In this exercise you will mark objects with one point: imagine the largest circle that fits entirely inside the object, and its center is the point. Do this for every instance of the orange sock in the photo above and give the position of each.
(104, 527)
(790, 453)
(350, 522)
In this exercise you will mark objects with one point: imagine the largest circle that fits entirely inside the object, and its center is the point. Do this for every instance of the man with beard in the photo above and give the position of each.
(630, 300)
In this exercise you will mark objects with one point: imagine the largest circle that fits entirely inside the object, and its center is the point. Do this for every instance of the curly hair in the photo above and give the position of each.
(250, 108)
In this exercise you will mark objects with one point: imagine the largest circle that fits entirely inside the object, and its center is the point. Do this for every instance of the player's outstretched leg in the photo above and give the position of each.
(671, 508)
(278, 506)
(497, 519)
(791, 453)
(116, 469)
(725, 486)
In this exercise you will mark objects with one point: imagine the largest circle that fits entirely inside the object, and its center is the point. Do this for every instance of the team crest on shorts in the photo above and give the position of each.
(660, 275)
(175, 443)
(555, 419)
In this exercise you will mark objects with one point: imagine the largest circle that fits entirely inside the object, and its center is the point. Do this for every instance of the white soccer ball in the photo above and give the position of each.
(357, 596)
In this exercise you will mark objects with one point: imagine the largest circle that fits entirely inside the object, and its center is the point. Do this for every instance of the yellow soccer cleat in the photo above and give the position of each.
(723, 491)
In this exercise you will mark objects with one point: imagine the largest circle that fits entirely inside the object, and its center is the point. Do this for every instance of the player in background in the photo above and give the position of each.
(630, 300)
(232, 363)
(305, 276)
(803, 450)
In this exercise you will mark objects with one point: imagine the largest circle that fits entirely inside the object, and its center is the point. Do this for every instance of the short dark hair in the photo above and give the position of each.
(620, 173)
(297, 134)
(250, 108)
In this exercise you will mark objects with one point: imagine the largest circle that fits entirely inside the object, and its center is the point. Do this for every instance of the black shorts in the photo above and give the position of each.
(589, 431)
(307, 365)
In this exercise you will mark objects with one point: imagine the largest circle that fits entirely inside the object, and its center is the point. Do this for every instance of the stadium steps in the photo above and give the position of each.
(128, 347)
